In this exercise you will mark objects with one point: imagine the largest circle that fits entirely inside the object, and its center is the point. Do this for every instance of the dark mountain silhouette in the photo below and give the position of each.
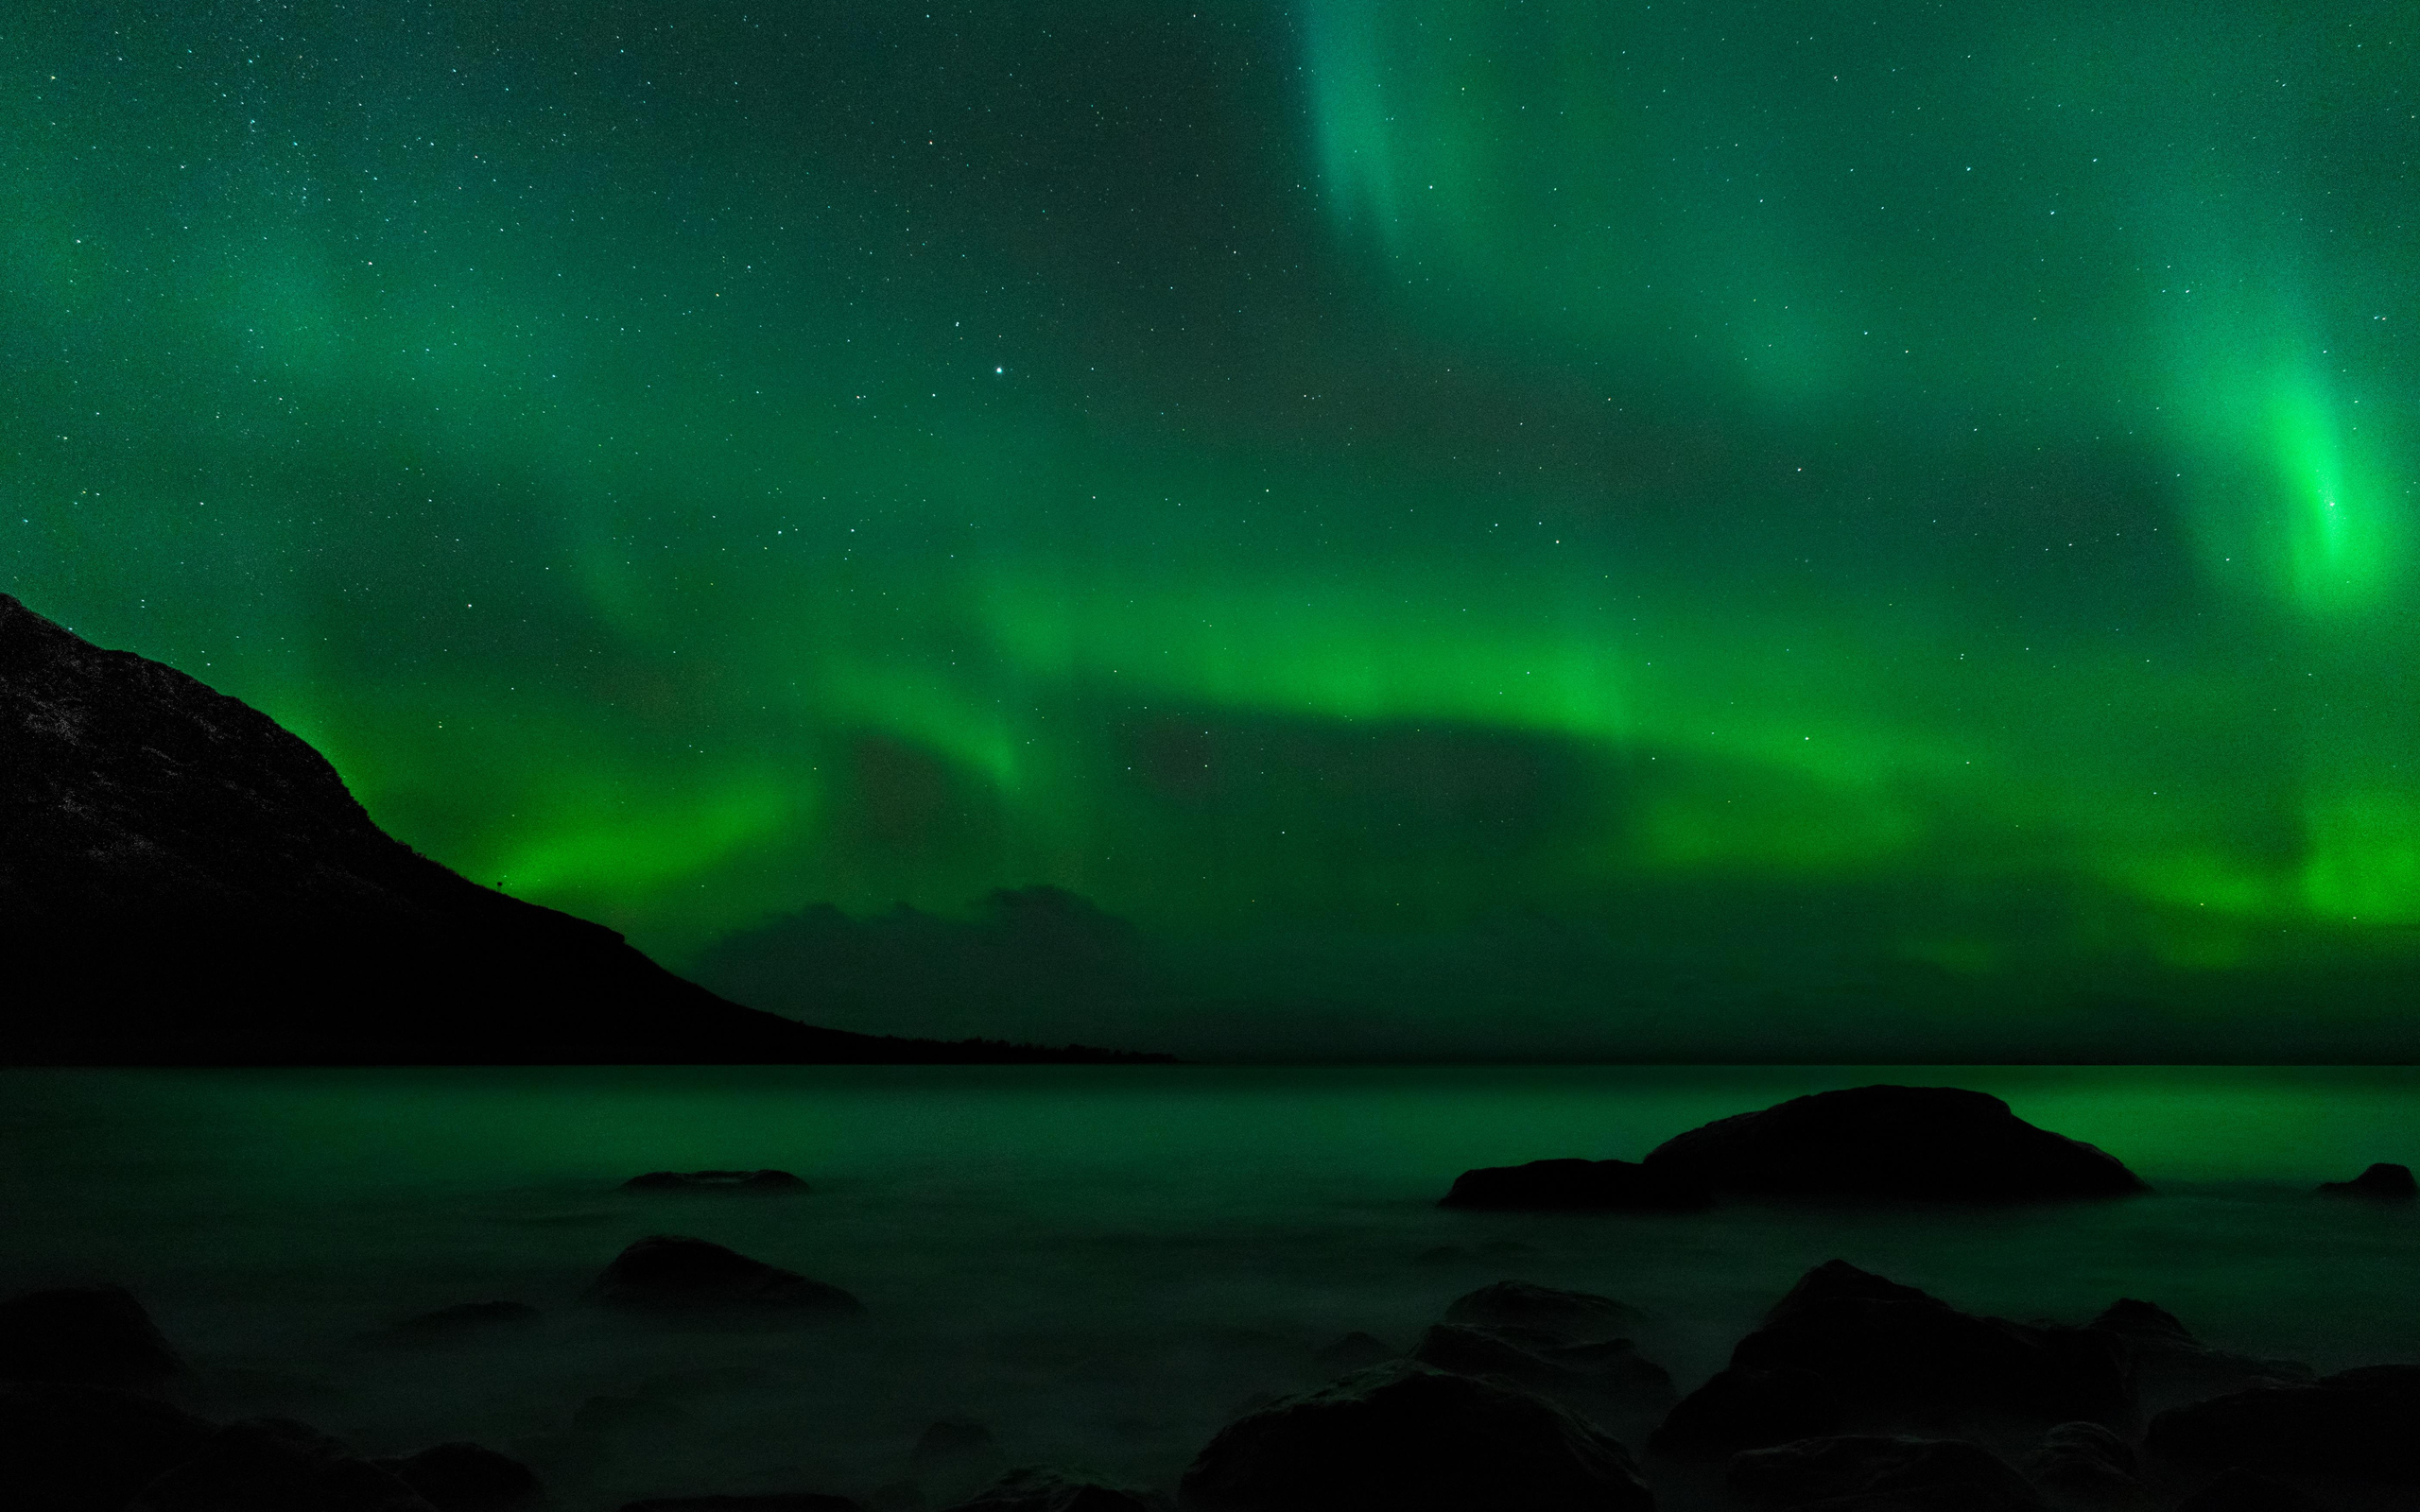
(182, 882)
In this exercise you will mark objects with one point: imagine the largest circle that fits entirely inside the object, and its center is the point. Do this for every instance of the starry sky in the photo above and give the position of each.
(1465, 527)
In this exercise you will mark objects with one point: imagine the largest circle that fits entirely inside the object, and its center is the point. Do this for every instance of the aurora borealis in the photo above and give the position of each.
(1484, 528)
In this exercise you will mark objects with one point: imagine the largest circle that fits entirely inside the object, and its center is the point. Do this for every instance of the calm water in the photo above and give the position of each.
(1101, 1265)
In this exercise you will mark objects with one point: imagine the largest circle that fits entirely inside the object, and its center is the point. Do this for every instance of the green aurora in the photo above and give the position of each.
(1490, 528)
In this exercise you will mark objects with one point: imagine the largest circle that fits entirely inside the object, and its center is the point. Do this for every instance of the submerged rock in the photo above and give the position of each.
(1356, 1352)
(1570, 1316)
(90, 1335)
(2364, 1423)
(466, 1478)
(271, 1465)
(1408, 1438)
(66, 1448)
(461, 1319)
(1877, 1344)
(1862, 1471)
(2086, 1468)
(670, 1272)
(1610, 1368)
(2170, 1364)
(1042, 1489)
(1924, 1144)
(2391, 1183)
(1748, 1409)
(1614, 1186)
(2245, 1492)
(751, 1183)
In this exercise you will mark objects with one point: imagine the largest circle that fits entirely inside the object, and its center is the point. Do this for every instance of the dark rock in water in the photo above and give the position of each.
(87, 1448)
(2245, 1492)
(1571, 1316)
(2393, 1183)
(466, 1478)
(668, 1271)
(1356, 1352)
(92, 1335)
(954, 1436)
(2088, 1468)
(1613, 1186)
(2364, 1423)
(777, 1502)
(185, 883)
(1875, 1473)
(1608, 1368)
(897, 1496)
(2170, 1364)
(271, 1465)
(1407, 1438)
(1923, 1144)
(1878, 1344)
(454, 1322)
(1040, 1490)
(753, 1183)
(1748, 1409)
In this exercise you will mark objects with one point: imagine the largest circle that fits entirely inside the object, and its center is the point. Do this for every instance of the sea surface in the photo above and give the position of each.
(1102, 1266)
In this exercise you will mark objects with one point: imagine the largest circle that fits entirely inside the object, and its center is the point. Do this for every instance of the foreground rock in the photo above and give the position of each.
(271, 1465)
(1610, 1186)
(88, 1449)
(2391, 1183)
(1881, 1345)
(91, 1335)
(1410, 1439)
(748, 1183)
(2086, 1468)
(1040, 1490)
(466, 1478)
(1610, 1369)
(671, 1273)
(1922, 1143)
(1573, 1316)
(2362, 1423)
(1748, 1409)
(2244, 1491)
(777, 1501)
(1874, 1473)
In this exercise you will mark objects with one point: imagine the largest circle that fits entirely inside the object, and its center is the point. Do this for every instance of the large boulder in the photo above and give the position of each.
(271, 1465)
(88, 1449)
(1044, 1490)
(1407, 1438)
(1611, 1186)
(1881, 1345)
(1748, 1409)
(2385, 1182)
(91, 1335)
(1572, 1316)
(1862, 1472)
(2085, 1468)
(765, 1183)
(1610, 1369)
(670, 1272)
(1925, 1143)
(2361, 1423)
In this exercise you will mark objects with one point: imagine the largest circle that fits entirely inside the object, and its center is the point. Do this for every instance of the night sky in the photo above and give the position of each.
(1475, 527)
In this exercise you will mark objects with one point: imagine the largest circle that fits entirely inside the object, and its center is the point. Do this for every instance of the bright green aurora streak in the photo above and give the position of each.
(1545, 528)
